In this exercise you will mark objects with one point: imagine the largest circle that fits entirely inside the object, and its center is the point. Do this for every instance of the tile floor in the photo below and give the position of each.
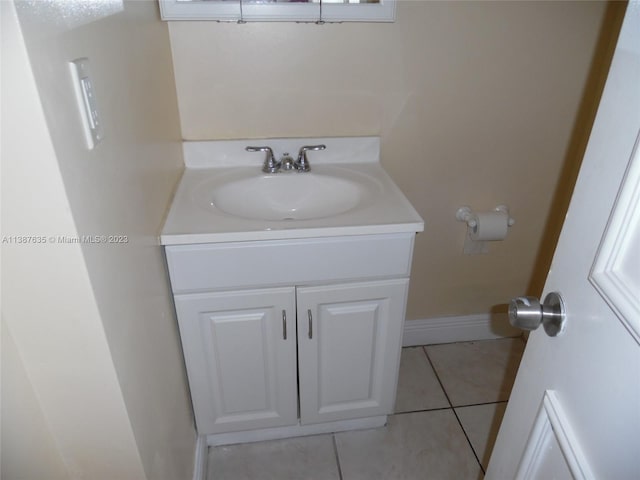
(451, 399)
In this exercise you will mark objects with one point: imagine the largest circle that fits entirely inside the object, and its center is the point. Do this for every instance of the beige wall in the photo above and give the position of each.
(475, 102)
(94, 324)
(24, 424)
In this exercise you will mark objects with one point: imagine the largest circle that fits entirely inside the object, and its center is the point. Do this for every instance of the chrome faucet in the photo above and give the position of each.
(302, 163)
(270, 164)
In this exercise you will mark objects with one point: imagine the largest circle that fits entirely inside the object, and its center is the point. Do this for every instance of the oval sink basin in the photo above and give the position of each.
(286, 196)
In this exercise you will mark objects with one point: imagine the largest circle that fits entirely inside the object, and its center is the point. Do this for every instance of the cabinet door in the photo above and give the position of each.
(240, 354)
(349, 340)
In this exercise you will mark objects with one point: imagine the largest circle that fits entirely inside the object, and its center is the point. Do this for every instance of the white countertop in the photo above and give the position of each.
(190, 221)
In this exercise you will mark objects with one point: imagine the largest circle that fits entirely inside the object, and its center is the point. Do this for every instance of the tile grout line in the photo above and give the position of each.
(335, 450)
(447, 408)
(481, 403)
(453, 410)
(456, 342)
(421, 411)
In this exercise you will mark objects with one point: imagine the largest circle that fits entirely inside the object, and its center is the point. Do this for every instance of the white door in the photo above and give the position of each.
(240, 352)
(349, 340)
(574, 410)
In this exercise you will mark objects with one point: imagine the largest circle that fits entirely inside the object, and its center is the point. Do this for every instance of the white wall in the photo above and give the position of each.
(94, 324)
(476, 103)
(48, 306)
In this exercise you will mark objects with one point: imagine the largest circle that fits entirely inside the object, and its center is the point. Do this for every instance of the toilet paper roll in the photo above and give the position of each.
(490, 226)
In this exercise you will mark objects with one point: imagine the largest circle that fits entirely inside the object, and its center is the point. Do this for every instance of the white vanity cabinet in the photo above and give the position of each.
(290, 288)
(240, 353)
(303, 334)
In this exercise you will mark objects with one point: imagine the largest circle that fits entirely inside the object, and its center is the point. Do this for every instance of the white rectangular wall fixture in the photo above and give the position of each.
(242, 11)
(86, 98)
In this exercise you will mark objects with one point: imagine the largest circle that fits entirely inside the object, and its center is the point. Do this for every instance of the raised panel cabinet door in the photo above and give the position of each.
(240, 353)
(349, 341)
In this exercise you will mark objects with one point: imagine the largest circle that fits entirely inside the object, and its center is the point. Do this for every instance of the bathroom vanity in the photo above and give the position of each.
(290, 288)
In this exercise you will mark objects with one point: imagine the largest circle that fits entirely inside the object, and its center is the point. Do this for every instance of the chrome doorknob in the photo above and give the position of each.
(527, 313)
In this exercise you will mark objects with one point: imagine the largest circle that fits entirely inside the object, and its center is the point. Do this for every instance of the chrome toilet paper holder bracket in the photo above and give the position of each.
(467, 215)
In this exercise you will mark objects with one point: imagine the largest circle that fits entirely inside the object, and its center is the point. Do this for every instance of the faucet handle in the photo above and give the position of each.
(270, 164)
(302, 164)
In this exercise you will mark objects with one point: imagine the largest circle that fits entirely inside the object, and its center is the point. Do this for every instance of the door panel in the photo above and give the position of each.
(349, 366)
(241, 369)
(552, 450)
(345, 376)
(616, 271)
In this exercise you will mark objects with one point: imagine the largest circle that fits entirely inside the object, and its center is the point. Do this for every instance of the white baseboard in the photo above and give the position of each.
(200, 458)
(457, 329)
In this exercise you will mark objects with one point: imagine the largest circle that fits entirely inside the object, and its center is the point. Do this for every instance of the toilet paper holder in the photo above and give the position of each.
(465, 214)
(474, 242)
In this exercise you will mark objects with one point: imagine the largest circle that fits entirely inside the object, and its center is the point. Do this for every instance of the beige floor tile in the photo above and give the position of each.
(412, 446)
(477, 372)
(481, 423)
(303, 458)
(418, 387)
